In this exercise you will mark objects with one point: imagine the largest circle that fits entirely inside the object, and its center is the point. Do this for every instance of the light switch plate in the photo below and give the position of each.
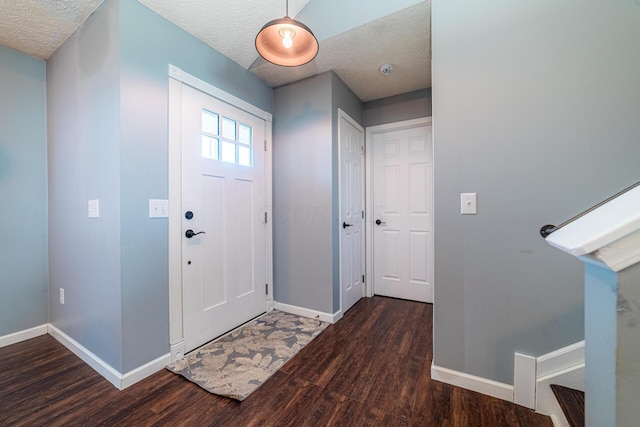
(93, 208)
(158, 208)
(468, 204)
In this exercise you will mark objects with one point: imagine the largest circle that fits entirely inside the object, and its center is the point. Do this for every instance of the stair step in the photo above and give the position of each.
(572, 404)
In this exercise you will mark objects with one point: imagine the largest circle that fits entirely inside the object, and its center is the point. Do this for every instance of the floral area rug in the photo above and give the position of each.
(238, 363)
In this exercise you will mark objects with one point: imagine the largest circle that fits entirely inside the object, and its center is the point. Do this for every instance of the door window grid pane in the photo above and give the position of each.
(245, 134)
(210, 122)
(232, 144)
(229, 128)
(228, 152)
(210, 147)
(244, 156)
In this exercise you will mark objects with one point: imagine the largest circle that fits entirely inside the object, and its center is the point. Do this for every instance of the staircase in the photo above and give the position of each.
(560, 384)
(607, 239)
(572, 403)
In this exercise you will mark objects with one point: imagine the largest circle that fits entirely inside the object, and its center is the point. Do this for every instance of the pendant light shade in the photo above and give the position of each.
(286, 42)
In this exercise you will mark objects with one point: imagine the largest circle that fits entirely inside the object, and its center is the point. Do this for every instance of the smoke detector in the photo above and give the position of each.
(386, 69)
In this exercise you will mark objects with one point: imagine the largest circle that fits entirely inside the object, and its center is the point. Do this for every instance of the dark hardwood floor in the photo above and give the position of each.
(372, 368)
(572, 403)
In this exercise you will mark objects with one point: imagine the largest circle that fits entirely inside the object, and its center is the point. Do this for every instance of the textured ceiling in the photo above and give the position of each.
(229, 27)
(39, 27)
(401, 39)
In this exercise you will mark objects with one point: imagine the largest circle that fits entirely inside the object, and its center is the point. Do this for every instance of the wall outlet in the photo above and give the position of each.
(61, 295)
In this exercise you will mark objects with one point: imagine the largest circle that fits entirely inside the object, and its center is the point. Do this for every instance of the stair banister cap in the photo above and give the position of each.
(610, 233)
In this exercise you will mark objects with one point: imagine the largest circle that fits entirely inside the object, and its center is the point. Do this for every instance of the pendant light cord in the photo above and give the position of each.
(287, 8)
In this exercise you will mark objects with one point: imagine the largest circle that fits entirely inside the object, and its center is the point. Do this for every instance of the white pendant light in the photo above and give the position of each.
(286, 42)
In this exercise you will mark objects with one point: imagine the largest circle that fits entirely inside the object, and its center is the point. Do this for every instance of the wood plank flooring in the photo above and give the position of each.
(572, 403)
(372, 368)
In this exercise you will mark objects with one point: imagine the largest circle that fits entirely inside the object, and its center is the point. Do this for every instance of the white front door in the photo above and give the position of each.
(351, 141)
(402, 211)
(223, 217)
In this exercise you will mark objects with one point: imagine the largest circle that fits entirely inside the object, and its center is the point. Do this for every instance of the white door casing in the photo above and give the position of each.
(351, 224)
(217, 279)
(400, 189)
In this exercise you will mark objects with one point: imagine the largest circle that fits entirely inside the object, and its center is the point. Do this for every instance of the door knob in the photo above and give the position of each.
(190, 233)
(345, 225)
(378, 222)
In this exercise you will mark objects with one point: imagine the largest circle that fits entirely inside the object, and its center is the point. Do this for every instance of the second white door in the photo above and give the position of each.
(402, 211)
(351, 223)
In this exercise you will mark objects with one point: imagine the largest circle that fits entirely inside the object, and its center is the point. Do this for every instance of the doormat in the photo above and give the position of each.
(238, 363)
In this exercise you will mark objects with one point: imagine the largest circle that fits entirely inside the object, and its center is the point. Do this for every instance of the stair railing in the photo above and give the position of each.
(548, 229)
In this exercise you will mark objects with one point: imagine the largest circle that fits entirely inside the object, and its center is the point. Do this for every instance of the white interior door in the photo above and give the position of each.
(402, 213)
(351, 143)
(223, 217)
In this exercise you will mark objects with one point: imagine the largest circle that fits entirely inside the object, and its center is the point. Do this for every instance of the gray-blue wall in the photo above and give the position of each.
(108, 140)
(23, 191)
(302, 194)
(83, 107)
(612, 345)
(541, 129)
(305, 179)
(628, 348)
(601, 345)
(397, 108)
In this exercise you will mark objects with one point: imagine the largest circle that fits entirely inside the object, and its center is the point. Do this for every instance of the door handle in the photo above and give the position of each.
(190, 233)
(345, 225)
(378, 222)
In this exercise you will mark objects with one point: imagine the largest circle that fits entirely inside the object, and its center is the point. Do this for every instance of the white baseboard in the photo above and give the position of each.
(524, 380)
(559, 420)
(564, 367)
(101, 367)
(560, 359)
(142, 372)
(472, 382)
(27, 334)
(119, 380)
(546, 402)
(306, 312)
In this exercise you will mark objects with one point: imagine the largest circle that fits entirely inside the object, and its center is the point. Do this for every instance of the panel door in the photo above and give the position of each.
(351, 211)
(402, 213)
(223, 223)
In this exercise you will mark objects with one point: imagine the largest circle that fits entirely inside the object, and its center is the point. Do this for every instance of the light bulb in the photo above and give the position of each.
(287, 41)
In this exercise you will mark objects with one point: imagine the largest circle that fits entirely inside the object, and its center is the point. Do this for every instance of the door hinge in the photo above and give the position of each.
(362, 150)
(265, 217)
(265, 145)
(362, 214)
(363, 278)
(266, 289)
